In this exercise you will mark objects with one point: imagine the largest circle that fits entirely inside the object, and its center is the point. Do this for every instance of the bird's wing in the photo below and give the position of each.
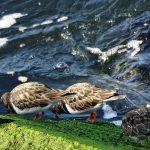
(91, 91)
(84, 97)
(34, 94)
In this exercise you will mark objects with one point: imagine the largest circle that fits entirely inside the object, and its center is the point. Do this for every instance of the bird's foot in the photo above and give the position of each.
(90, 120)
(92, 117)
(39, 116)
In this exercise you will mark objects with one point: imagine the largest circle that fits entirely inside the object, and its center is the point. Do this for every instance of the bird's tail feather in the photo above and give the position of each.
(113, 98)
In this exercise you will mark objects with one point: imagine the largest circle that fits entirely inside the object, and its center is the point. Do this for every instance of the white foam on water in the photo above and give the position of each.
(128, 14)
(117, 122)
(135, 44)
(39, 3)
(116, 49)
(146, 24)
(3, 41)
(31, 56)
(110, 21)
(74, 52)
(62, 18)
(65, 35)
(22, 78)
(60, 65)
(22, 45)
(35, 25)
(105, 55)
(2, 12)
(10, 72)
(148, 105)
(10, 19)
(96, 50)
(22, 28)
(47, 22)
(108, 112)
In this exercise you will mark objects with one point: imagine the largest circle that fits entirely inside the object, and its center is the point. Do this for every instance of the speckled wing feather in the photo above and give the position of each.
(137, 122)
(90, 90)
(34, 94)
(88, 95)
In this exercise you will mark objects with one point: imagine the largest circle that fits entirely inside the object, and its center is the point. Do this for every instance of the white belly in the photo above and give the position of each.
(29, 110)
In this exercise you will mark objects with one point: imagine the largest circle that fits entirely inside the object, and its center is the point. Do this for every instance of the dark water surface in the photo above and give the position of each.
(61, 42)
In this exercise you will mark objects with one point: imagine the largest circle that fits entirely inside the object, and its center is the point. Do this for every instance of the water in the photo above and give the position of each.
(62, 42)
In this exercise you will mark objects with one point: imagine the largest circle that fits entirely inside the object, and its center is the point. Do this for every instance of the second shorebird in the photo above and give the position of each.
(137, 122)
(35, 97)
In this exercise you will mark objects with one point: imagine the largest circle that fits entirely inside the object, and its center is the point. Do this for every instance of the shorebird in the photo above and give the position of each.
(35, 97)
(137, 122)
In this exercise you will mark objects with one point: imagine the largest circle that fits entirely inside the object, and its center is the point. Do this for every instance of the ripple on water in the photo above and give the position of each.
(65, 42)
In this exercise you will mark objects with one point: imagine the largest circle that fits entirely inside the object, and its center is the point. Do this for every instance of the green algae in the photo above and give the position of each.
(20, 133)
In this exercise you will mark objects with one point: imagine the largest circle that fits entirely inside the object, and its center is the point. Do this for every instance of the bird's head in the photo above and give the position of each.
(5, 99)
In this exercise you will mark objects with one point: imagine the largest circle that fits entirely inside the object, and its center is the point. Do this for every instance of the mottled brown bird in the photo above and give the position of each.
(137, 122)
(34, 97)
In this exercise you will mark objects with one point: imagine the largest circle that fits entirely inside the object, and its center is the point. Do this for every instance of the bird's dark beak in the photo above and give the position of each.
(1, 101)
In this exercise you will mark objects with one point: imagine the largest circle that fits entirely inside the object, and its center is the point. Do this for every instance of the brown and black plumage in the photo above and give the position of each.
(137, 122)
(34, 97)
(85, 97)
(31, 97)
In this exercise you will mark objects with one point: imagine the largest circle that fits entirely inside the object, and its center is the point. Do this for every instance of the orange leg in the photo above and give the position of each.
(92, 117)
(39, 116)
